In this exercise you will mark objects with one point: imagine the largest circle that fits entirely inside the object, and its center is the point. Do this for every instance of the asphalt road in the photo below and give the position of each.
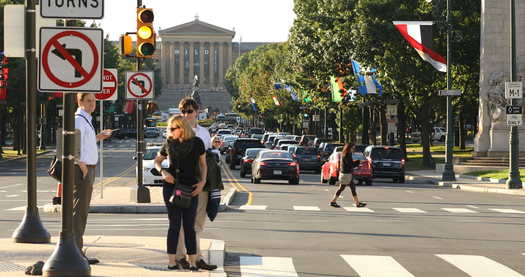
(290, 230)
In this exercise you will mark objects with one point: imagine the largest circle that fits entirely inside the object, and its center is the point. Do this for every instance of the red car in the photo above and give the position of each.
(362, 173)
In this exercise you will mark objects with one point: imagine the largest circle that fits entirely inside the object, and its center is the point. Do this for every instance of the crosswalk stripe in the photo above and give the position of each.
(358, 210)
(376, 266)
(508, 211)
(458, 210)
(437, 197)
(472, 206)
(479, 266)
(306, 208)
(12, 195)
(267, 266)
(409, 210)
(253, 207)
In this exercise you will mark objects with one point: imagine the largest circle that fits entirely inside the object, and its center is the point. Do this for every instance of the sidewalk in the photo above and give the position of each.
(465, 182)
(119, 256)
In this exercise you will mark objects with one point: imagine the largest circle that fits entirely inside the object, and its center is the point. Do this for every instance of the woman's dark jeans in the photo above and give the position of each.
(175, 216)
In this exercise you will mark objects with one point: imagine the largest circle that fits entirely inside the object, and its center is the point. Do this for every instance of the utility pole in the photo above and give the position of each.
(31, 229)
(514, 180)
(448, 172)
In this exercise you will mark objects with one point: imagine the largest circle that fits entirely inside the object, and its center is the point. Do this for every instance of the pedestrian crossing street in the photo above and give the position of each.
(379, 266)
(372, 210)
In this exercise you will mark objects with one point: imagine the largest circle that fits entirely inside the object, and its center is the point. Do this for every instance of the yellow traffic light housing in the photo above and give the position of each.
(145, 33)
(126, 45)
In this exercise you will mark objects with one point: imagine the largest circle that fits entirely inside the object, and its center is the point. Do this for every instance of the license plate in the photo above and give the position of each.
(387, 164)
(277, 172)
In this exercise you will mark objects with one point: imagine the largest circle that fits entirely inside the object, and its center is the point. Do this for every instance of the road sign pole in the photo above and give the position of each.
(31, 229)
(67, 260)
(514, 180)
(101, 151)
(448, 172)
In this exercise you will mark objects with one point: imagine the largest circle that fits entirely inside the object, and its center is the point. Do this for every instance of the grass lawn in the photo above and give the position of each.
(499, 174)
(414, 156)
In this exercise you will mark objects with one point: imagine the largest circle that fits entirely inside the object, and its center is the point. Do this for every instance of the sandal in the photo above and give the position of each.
(361, 204)
(335, 205)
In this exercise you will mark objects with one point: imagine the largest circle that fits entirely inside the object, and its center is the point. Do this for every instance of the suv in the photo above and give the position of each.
(387, 162)
(238, 148)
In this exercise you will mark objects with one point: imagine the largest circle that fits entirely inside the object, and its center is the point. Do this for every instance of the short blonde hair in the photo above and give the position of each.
(181, 122)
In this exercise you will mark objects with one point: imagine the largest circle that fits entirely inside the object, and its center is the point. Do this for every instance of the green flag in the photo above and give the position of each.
(336, 95)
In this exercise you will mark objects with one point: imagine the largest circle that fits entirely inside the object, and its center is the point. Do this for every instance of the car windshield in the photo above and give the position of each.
(151, 153)
(276, 155)
(306, 151)
(386, 153)
(358, 156)
(252, 152)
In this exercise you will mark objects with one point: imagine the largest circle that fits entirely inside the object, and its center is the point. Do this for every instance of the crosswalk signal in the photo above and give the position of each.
(145, 33)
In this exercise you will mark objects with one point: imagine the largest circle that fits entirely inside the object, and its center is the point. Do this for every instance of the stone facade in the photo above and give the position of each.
(492, 138)
(201, 49)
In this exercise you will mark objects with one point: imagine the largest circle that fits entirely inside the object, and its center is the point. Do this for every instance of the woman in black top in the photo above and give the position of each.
(346, 165)
(185, 152)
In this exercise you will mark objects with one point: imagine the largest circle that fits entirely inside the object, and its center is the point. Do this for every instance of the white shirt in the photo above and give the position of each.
(203, 134)
(88, 138)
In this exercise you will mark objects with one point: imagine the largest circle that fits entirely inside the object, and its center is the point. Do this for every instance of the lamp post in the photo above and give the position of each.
(448, 172)
(514, 180)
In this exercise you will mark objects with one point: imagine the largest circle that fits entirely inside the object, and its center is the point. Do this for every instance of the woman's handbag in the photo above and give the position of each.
(55, 169)
(181, 196)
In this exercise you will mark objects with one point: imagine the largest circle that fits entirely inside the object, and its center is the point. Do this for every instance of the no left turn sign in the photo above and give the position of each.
(70, 59)
(139, 85)
(110, 85)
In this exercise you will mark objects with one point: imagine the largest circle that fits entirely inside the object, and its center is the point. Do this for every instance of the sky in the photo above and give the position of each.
(253, 20)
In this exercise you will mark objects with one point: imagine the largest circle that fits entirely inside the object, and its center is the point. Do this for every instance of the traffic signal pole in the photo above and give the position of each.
(31, 229)
(143, 195)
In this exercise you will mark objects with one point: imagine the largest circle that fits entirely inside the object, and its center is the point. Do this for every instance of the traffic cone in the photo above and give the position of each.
(57, 200)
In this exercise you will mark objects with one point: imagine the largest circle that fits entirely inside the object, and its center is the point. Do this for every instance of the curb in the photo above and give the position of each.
(227, 200)
(25, 156)
(467, 187)
(484, 179)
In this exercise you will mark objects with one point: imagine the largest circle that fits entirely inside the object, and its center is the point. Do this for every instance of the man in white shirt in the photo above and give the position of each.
(190, 110)
(85, 165)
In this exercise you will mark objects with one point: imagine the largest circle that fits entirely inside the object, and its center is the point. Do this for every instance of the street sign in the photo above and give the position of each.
(514, 119)
(391, 110)
(513, 90)
(139, 85)
(85, 9)
(305, 124)
(70, 59)
(450, 92)
(14, 30)
(513, 110)
(110, 85)
(316, 117)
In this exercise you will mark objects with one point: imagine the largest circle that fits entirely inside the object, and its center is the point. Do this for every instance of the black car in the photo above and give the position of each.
(307, 157)
(387, 162)
(246, 161)
(239, 146)
(275, 165)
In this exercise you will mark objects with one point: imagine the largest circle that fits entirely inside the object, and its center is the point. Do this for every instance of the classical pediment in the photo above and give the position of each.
(196, 27)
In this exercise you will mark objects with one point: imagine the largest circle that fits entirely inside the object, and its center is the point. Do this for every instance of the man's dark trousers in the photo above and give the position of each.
(81, 200)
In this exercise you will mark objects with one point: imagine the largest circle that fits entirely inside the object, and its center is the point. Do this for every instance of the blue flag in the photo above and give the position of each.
(367, 80)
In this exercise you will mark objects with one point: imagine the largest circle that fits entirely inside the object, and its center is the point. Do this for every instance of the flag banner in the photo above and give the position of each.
(277, 86)
(276, 101)
(254, 107)
(419, 35)
(336, 85)
(353, 95)
(367, 80)
(252, 100)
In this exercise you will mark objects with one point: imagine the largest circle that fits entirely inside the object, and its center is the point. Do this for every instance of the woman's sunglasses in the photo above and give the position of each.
(174, 128)
(186, 111)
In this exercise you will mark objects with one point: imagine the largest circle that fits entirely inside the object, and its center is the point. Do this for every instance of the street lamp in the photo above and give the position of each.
(514, 180)
(448, 172)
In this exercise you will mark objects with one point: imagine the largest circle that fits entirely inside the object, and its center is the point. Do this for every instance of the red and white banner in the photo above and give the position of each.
(419, 36)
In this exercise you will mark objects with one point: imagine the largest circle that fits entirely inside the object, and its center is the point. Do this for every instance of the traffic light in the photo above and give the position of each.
(126, 45)
(145, 33)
